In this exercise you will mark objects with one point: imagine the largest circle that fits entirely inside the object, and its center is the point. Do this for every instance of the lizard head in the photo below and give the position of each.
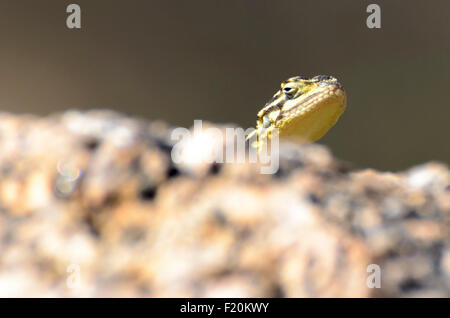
(304, 108)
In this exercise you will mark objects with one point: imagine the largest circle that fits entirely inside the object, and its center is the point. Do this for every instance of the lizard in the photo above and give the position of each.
(304, 109)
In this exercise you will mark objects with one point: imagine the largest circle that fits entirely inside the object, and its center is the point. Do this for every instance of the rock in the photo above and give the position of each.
(92, 204)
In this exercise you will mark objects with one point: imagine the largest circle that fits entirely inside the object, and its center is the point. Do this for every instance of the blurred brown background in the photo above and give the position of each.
(221, 60)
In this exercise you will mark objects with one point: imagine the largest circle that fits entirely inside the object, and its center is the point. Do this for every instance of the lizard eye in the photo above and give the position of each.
(289, 91)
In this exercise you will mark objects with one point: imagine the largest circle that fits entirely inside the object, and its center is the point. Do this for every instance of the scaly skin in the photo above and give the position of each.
(304, 109)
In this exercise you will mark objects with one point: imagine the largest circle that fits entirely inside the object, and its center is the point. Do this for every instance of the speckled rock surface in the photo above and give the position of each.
(97, 194)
